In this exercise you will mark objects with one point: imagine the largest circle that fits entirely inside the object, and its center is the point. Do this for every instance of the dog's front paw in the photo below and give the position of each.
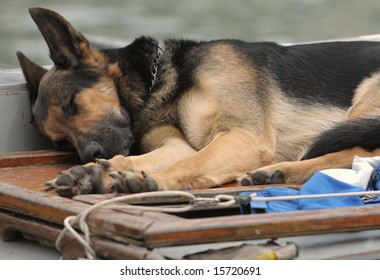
(133, 182)
(82, 179)
(262, 177)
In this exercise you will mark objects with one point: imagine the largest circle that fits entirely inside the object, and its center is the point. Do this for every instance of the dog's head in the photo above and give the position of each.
(77, 99)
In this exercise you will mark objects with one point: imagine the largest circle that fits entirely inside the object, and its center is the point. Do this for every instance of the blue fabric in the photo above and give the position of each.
(319, 183)
(280, 206)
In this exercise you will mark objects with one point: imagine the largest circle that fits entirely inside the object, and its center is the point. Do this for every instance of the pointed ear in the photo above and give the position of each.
(33, 74)
(67, 46)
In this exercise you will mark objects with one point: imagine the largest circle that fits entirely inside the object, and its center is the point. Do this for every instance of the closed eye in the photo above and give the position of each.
(70, 108)
(73, 108)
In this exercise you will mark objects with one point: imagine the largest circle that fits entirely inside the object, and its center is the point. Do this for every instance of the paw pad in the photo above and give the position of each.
(77, 180)
(263, 178)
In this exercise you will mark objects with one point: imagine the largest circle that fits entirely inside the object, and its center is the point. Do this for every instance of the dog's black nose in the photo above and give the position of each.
(91, 151)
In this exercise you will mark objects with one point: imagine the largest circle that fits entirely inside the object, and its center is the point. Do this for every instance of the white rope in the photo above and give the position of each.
(80, 219)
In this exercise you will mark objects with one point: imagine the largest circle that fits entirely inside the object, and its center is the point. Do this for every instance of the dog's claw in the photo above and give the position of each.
(246, 181)
(131, 182)
(150, 183)
(116, 175)
(105, 164)
(277, 177)
(260, 178)
(49, 187)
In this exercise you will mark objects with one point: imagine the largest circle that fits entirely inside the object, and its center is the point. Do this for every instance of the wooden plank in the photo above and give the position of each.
(32, 177)
(259, 226)
(33, 169)
(41, 157)
(12, 225)
(38, 204)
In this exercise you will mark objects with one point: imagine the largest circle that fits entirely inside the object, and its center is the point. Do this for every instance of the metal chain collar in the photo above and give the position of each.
(154, 67)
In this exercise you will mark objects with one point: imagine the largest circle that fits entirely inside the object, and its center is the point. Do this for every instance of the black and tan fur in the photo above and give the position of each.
(215, 110)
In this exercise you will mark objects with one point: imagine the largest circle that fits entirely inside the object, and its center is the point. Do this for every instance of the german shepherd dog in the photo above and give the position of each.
(196, 115)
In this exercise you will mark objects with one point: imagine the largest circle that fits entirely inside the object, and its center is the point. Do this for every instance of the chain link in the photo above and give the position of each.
(154, 67)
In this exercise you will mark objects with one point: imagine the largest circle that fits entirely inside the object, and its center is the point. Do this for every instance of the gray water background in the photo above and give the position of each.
(251, 20)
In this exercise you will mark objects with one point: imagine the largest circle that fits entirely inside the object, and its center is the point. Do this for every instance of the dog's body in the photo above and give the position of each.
(201, 113)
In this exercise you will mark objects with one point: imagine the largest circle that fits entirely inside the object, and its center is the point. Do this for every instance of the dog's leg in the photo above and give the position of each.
(226, 158)
(164, 145)
(298, 172)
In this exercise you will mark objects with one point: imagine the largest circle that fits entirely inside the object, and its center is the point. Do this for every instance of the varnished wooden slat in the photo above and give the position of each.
(11, 225)
(38, 204)
(31, 177)
(119, 226)
(249, 227)
(42, 157)
(33, 169)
